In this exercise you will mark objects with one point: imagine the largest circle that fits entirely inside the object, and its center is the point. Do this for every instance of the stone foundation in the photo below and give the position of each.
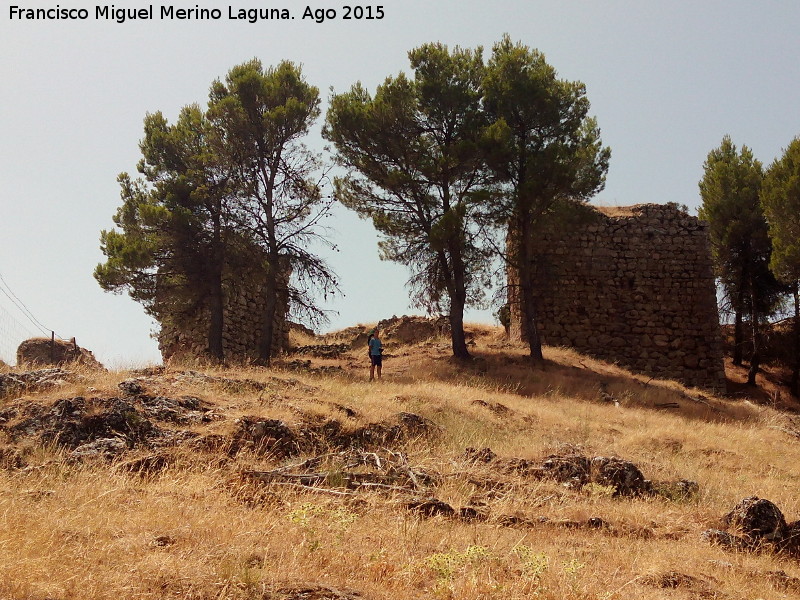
(633, 285)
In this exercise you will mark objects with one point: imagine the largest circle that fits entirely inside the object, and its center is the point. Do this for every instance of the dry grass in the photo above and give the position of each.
(198, 530)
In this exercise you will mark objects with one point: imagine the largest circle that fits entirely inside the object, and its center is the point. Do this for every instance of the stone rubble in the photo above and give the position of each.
(756, 524)
(33, 381)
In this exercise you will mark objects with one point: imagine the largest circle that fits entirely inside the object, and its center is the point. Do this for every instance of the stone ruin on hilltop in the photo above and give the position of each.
(44, 352)
(183, 335)
(632, 285)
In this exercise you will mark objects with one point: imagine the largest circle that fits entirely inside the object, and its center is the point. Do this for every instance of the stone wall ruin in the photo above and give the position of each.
(633, 285)
(185, 337)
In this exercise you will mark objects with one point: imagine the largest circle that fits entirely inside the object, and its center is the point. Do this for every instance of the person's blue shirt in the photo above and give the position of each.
(375, 347)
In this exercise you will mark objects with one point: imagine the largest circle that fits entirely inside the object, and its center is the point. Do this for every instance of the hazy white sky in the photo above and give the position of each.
(666, 81)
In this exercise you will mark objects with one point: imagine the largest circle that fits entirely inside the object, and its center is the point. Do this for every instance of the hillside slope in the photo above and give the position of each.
(573, 480)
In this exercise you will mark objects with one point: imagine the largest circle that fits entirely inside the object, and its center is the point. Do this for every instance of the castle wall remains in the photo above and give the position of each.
(185, 337)
(632, 285)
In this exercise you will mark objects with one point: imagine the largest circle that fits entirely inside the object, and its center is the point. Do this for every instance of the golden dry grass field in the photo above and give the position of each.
(290, 484)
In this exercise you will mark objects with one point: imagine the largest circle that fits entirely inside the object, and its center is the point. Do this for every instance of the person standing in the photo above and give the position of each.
(375, 354)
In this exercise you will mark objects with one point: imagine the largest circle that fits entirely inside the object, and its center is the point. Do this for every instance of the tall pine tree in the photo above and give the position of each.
(545, 150)
(740, 243)
(417, 170)
(780, 196)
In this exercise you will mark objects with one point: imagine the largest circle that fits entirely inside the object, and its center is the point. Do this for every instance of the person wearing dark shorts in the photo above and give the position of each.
(375, 354)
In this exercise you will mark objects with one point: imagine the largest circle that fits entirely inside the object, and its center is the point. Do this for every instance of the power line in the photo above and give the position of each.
(28, 316)
(21, 306)
(12, 333)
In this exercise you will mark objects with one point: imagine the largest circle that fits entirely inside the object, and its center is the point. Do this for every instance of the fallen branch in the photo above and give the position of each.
(311, 488)
(273, 476)
(700, 400)
(391, 488)
(306, 464)
(667, 405)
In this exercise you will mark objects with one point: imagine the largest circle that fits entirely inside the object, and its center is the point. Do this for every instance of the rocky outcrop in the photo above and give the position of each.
(574, 470)
(46, 352)
(756, 519)
(412, 329)
(756, 524)
(33, 381)
(322, 350)
(632, 285)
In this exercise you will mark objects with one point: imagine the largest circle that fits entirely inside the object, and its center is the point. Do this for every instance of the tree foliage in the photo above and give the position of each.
(418, 171)
(261, 115)
(781, 200)
(172, 247)
(780, 197)
(546, 151)
(740, 241)
(224, 192)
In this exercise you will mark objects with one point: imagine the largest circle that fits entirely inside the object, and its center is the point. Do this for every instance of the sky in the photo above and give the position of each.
(666, 80)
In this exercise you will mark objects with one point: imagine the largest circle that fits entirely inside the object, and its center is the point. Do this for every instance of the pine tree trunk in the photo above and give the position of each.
(457, 336)
(530, 328)
(216, 322)
(795, 382)
(738, 339)
(755, 357)
(270, 307)
(216, 306)
(530, 321)
(456, 291)
(273, 254)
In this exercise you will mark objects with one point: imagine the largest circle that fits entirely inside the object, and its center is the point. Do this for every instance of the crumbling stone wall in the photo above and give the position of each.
(45, 352)
(186, 337)
(633, 285)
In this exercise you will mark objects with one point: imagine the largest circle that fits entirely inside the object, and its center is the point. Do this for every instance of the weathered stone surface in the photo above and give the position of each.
(323, 350)
(717, 537)
(33, 381)
(269, 436)
(757, 524)
(483, 455)
(133, 387)
(183, 410)
(398, 428)
(410, 330)
(311, 591)
(401, 330)
(279, 439)
(183, 337)
(430, 507)
(101, 448)
(790, 542)
(623, 475)
(632, 285)
(103, 426)
(757, 519)
(48, 352)
(573, 468)
(72, 422)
